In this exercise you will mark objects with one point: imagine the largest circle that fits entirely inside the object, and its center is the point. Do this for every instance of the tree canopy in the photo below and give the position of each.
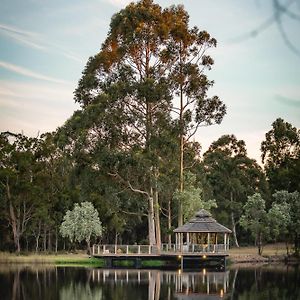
(81, 223)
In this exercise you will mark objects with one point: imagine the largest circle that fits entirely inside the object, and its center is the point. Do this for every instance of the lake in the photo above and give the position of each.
(50, 282)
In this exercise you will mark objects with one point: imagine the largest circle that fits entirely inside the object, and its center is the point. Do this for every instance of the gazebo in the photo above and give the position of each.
(202, 234)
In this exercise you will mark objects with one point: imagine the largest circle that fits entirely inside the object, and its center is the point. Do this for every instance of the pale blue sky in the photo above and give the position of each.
(44, 46)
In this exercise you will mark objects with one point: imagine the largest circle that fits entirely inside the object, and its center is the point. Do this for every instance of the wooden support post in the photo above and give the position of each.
(181, 242)
(149, 250)
(115, 249)
(208, 242)
(126, 249)
(225, 241)
(139, 249)
(103, 249)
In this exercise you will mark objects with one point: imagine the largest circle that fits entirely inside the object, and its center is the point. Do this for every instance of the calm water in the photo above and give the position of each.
(269, 282)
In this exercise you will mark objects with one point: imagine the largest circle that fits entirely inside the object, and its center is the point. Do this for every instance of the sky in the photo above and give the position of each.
(45, 44)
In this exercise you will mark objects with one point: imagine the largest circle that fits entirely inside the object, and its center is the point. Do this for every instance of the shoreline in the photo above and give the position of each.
(236, 257)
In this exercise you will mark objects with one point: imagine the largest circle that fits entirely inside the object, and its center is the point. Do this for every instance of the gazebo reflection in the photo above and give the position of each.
(169, 284)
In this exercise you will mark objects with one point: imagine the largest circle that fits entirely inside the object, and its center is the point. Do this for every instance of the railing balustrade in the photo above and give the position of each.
(164, 249)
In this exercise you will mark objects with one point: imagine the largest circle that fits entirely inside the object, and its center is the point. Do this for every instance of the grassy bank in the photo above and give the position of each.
(274, 252)
(60, 259)
(271, 253)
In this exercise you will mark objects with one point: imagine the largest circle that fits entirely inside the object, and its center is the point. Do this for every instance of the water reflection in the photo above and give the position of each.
(46, 282)
(180, 285)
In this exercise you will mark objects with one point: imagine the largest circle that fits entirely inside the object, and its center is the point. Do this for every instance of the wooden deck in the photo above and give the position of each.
(175, 256)
(165, 249)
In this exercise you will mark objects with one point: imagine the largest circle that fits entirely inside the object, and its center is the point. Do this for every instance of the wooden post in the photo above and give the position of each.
(149, 250)
(103, 249)
(126, 249)
(115, 249)
(228, 243)
(176, 240)
(208, 242)
(225, 242)
(139, 249)
(181, 242)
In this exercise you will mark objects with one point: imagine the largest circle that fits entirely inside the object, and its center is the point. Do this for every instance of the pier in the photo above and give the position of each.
(197, 245)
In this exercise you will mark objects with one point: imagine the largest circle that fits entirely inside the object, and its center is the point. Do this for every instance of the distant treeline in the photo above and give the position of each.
(41, 179)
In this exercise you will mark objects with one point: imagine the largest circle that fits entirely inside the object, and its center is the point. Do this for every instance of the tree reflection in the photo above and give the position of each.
(80, 291)
(23, 282)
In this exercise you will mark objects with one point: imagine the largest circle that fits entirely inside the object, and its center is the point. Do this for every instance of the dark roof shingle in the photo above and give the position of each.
(203, 222)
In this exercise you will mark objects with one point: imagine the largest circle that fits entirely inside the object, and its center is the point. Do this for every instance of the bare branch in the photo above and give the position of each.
(128, 184)
(134, 213)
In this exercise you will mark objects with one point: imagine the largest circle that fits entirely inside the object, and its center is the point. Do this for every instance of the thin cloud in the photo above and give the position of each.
(119, 3)
(36, 41)
(28, 107)
(288, 101)
(29, 73)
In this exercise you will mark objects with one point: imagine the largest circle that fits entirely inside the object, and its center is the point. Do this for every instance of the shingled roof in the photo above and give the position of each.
(203, 222)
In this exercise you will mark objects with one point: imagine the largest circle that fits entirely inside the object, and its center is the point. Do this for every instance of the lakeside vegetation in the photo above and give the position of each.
(272, 252)
(128, 155)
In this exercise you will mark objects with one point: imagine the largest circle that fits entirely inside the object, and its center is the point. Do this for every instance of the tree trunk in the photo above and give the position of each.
(56, 240)
(49, 241)
(259, 244)
(13, 220)
(151, 225)
(234, 230)
(37, 237)
(169, 223)
(181, 179)
(45, 238)
(157, 216)
(88, 242)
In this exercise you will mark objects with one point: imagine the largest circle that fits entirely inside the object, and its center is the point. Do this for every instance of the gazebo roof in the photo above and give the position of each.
(203, 222)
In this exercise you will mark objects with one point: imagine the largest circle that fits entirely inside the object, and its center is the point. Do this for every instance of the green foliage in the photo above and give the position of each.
(152, 263)
(232, 176)
(192, 198)
(281, 155)
(81, 223)
(288, 205)
(255, 219)
(96, 262)
(279, 219)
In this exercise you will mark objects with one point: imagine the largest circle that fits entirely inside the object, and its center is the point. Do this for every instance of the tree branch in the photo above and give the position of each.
(116, 175)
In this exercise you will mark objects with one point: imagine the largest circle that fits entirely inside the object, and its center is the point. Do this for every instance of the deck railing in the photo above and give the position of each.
(194, 248)
(152, 250)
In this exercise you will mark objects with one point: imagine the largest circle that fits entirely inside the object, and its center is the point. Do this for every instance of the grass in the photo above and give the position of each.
(124, 263)
(59, 259)
(153, 263)
(268, 250)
